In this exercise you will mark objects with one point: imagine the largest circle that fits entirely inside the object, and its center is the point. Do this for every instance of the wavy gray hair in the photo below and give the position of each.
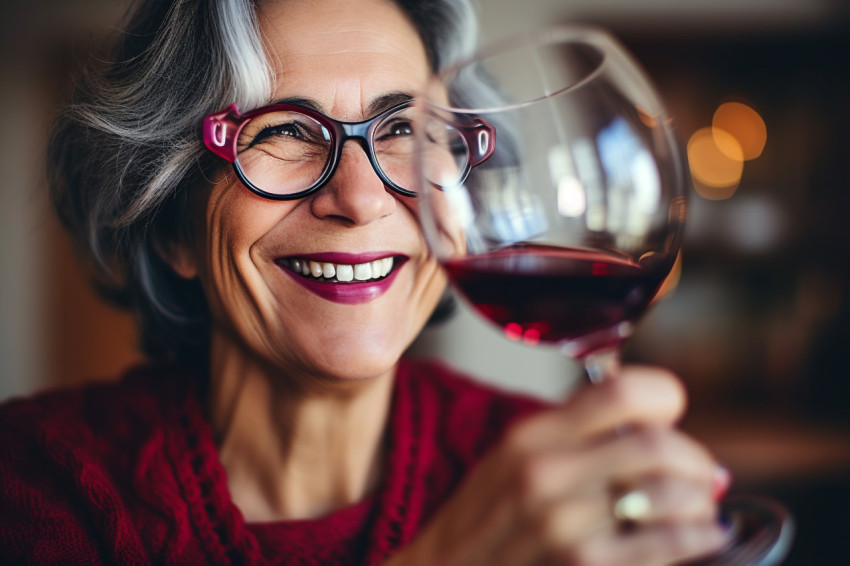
(125, 152)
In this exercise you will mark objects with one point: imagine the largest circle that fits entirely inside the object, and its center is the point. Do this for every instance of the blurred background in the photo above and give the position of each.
(757, 325)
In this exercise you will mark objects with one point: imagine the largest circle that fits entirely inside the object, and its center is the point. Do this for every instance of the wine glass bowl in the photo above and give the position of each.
(553, 192)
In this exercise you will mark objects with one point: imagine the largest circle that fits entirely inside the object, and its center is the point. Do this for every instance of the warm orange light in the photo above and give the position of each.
(745, 125)
(671, 281)
(716, 161)
(648, 119)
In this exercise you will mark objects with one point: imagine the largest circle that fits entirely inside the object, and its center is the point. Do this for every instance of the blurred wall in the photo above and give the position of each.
(52, 329)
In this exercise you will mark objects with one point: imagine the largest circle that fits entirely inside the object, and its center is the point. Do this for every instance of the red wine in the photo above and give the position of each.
(551, 294)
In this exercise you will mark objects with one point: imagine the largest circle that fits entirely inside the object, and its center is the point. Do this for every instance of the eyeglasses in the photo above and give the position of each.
(286, 151)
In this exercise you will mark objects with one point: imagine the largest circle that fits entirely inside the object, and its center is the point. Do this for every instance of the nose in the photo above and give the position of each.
(355, 193)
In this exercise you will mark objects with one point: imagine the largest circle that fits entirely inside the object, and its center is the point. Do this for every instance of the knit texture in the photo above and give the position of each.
(128, 473)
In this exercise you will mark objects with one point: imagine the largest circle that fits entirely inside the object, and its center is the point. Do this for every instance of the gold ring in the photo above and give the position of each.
(632, 506)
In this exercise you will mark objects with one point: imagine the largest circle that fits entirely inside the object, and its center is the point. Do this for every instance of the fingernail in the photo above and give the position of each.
(725, 522)
(720, 482)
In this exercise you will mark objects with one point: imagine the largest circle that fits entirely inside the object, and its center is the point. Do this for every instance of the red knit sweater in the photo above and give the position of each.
(128, 473)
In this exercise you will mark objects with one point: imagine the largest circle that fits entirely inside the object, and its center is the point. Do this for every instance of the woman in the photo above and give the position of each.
(277, 423)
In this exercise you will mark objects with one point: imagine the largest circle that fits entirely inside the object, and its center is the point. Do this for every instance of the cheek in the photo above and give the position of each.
(235, 221)
(446, 224)
(431, 279)
(432, 283)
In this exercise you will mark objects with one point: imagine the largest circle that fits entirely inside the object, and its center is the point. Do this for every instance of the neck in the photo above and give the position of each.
(295, 446)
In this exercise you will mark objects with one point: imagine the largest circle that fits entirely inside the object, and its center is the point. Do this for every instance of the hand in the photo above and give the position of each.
(546, 494)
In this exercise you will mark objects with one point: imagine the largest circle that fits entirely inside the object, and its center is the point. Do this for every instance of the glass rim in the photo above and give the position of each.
(592, 36)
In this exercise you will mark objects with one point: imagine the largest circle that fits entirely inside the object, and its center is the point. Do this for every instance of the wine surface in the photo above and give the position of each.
(550, 294)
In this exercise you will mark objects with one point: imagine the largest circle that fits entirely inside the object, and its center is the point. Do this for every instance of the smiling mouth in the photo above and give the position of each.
(328, 272)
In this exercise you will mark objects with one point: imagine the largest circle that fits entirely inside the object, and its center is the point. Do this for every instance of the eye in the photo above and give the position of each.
(401, 128)
(291, 129)
(395, 128)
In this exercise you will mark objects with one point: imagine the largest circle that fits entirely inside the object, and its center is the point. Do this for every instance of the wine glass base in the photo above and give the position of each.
(760, 533)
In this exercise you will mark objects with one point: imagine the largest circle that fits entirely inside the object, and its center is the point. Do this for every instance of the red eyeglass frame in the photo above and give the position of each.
(220, 132)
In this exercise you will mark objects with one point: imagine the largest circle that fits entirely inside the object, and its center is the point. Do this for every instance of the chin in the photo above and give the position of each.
(347, 354)
(361, 364)
(364, 373)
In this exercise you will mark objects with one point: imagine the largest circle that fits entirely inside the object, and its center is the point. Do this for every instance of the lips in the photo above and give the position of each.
(344, 278)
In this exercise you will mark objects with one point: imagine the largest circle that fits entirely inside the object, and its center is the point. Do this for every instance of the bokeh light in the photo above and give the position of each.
(531, 337)
(572, 200)
(513, 331)
(716, 160)
(744, 124)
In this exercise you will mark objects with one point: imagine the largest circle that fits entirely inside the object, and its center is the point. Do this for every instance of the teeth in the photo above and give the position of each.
(343, 272)
(363, 271)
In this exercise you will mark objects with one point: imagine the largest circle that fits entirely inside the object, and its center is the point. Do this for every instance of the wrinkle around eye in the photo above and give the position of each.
(266, 133)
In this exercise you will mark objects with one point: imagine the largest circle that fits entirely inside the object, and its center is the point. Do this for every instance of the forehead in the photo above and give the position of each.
(342, 54)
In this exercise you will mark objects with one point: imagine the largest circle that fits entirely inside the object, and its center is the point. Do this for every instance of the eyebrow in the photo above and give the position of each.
(387, 101)
(301, 101)
(378, 105)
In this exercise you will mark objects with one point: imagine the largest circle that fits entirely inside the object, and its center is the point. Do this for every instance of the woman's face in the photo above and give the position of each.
(350, 60)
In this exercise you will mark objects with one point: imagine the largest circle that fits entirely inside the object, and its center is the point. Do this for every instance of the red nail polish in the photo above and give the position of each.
(720, 482)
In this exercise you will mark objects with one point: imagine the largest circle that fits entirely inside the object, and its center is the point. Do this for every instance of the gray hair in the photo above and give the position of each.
(125, 152)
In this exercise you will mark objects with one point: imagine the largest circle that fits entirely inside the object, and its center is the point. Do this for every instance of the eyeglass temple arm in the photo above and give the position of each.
(219, 132)
(480, 137)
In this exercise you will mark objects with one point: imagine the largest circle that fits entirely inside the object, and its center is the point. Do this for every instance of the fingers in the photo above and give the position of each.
(621, 461)
(555, 527)
(569, 497)
(638, 396)
(653, 451)
(677, 480)
(662, 499)
(650, 545)
(547, 494)
(677, 523)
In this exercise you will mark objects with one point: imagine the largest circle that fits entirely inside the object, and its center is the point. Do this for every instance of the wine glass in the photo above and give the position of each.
(553, 192)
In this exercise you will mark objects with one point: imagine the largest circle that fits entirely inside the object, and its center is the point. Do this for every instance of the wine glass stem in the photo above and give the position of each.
(602, 364)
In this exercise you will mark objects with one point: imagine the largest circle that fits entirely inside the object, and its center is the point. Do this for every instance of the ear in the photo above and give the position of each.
(179, 257)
